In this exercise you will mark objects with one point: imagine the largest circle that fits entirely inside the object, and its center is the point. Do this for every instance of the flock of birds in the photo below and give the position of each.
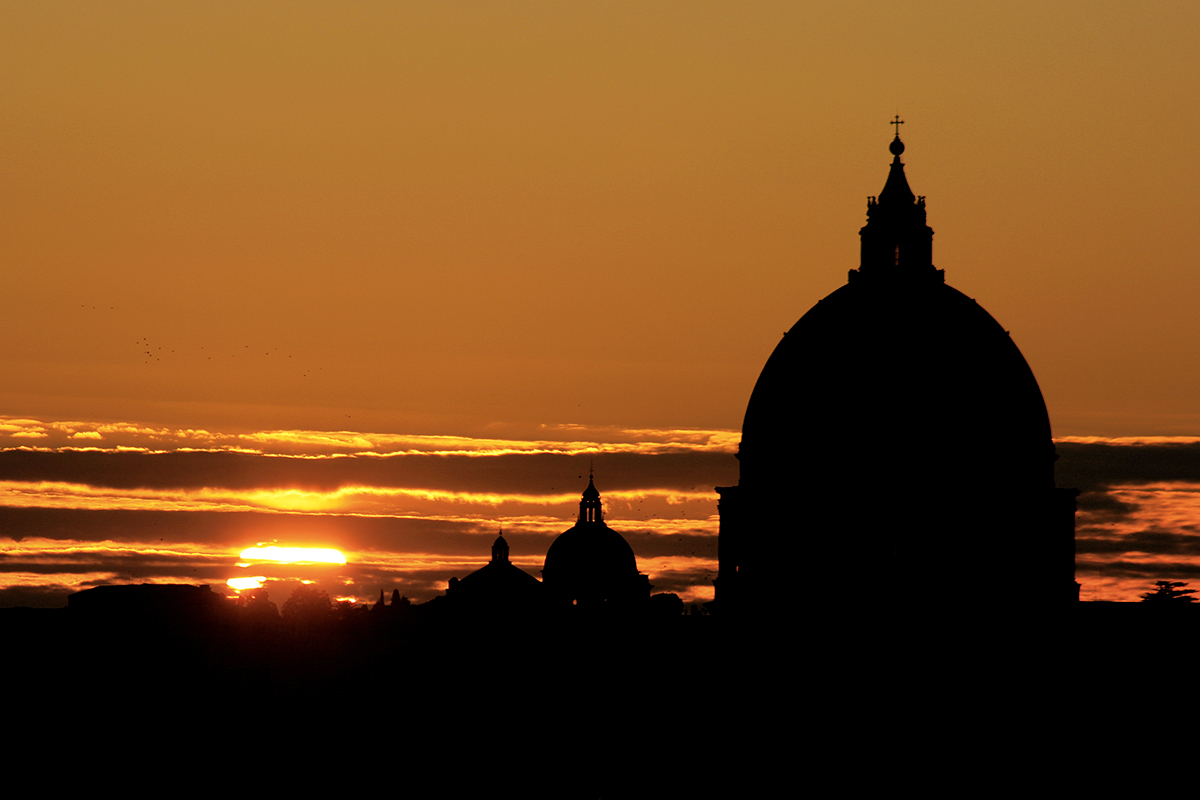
(151, 353)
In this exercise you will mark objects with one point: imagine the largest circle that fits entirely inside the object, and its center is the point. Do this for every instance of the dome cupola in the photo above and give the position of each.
(896, 242)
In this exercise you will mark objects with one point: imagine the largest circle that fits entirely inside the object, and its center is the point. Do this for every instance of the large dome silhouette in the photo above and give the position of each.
(896, 448)
(919, 371)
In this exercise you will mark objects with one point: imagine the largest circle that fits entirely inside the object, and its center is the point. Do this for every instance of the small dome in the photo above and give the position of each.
(591, 492)
(592, 552)
(500, 548)
(591, 563)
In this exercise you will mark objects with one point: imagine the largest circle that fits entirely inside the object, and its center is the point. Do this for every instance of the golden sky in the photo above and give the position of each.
(431, 217)
(490, 220)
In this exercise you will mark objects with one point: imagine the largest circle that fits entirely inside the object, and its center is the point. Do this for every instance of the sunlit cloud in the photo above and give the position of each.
(35, 549)
(1128, 440)
(67, 495)
(607, 440)
(17, 424)
(562, 439)
(371, 500)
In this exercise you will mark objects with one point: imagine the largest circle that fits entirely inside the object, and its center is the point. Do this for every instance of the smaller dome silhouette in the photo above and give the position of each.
(499, 584)
(591, 564)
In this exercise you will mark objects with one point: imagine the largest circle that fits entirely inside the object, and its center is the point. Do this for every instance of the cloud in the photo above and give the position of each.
(1099, 504)
(1095, 465)
(564, 439)
(1148, 542)
(514, 473)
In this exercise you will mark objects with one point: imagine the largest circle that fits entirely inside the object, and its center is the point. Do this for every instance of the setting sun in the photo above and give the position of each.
(294, 555)
(241, 584)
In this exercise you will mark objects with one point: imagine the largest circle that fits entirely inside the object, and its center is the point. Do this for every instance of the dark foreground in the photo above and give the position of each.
(571, 707)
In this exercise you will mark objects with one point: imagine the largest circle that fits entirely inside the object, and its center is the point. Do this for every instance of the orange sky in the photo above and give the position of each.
(493, 220)
(455, 218)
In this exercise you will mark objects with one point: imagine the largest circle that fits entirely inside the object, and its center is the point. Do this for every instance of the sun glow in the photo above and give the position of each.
(241, 584)
(294, 555)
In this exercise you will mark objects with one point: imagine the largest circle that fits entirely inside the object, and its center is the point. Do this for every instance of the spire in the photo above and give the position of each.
(896, 190)
(589, 506)
(500, 548)
(896, 241)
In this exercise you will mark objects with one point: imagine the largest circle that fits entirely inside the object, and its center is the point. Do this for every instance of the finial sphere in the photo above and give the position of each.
(896, 147)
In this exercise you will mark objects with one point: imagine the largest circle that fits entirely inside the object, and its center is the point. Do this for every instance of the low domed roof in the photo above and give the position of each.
(498, 579)
(497, 582)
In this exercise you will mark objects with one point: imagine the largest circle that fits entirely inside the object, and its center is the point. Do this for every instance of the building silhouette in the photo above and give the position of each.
(591, 565)
(499, 585)
(896, 449)
(182, 610)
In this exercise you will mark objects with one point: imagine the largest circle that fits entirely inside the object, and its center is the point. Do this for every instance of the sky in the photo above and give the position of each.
(430, 262)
